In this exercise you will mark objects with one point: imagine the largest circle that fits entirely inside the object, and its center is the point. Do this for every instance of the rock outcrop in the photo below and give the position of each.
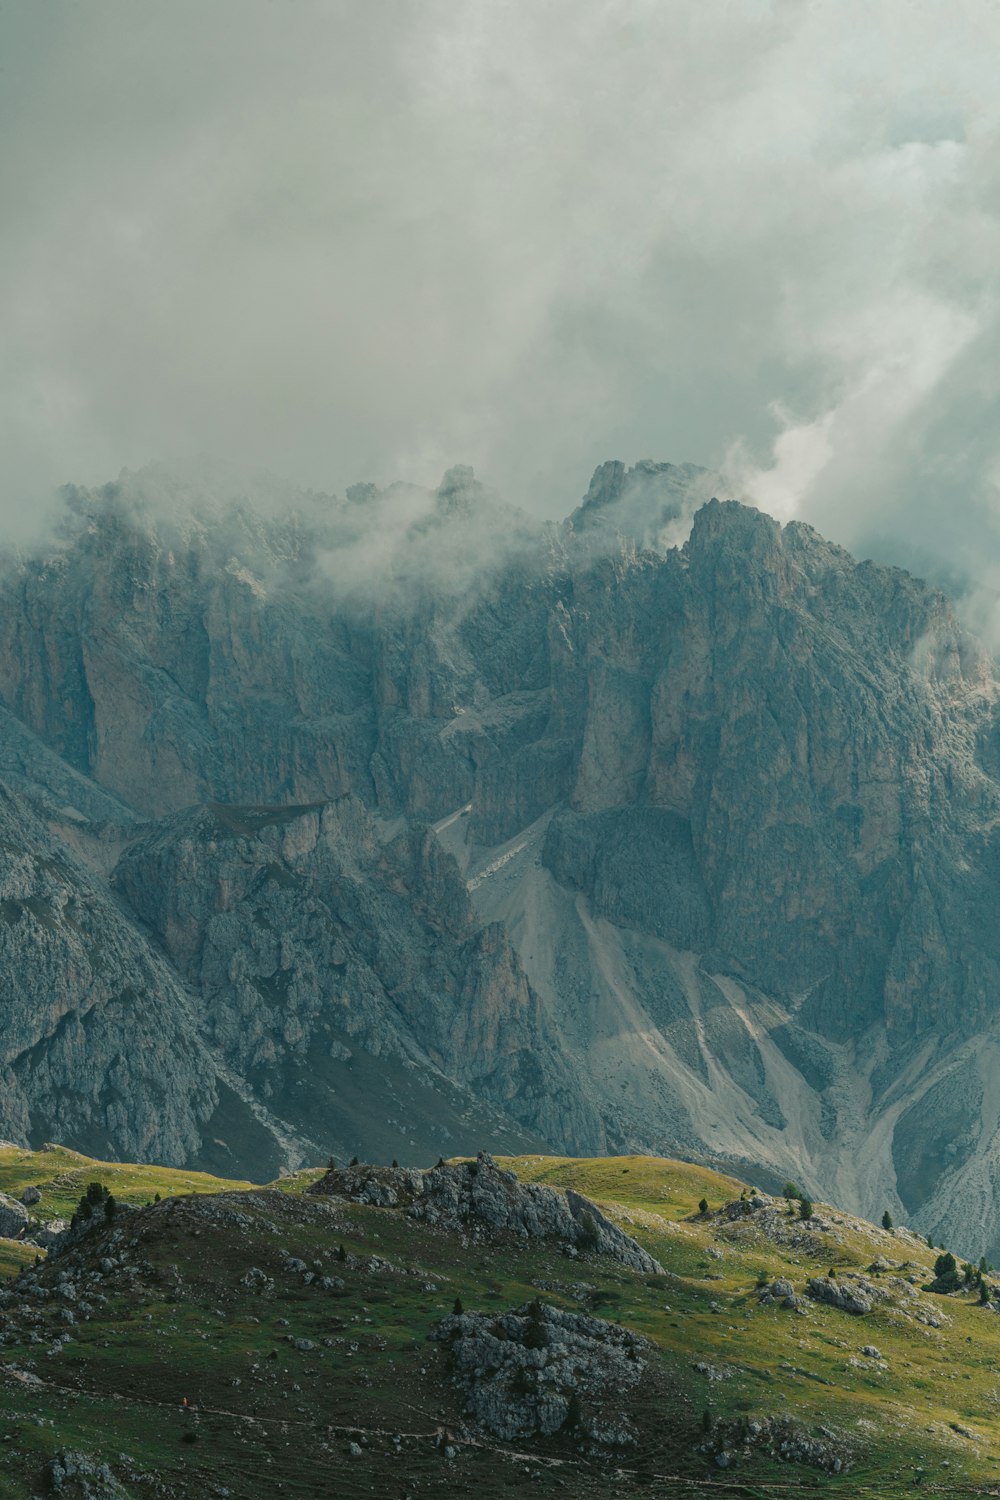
(848, 1296)
(539, 1370)
(13, 1217)
(481, 1197)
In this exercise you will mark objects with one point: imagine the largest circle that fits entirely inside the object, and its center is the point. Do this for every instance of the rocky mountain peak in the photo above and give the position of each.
(456, 832)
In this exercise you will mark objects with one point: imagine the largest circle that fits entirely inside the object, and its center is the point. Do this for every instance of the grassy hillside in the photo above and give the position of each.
(62, 1177)
(286, 1374)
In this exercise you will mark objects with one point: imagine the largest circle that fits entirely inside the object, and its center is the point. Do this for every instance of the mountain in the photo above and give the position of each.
(399, 824)
(545, 1325)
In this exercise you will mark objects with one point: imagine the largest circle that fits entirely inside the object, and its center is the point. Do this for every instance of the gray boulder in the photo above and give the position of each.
(539, 1370)
(13, 1218)
(51, 1234)
(849, 1298)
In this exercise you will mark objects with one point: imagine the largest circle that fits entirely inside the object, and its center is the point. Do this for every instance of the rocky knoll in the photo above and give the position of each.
(588, 835)
(481, 1197)
(540, 1370)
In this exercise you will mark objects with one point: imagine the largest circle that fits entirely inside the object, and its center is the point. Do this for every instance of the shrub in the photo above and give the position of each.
(790, 1191)
(805, 1208)
(93, 1201)
(703, 1206)
(946, 1277)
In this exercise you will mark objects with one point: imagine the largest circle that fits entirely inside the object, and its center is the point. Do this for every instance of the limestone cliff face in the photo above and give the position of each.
(316, 939)
(94, 1023)
(803, 731)
(567, 835)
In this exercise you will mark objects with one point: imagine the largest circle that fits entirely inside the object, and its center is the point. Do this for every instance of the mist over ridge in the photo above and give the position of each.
(350, 243)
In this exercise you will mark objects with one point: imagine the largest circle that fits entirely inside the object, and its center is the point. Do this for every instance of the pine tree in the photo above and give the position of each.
(887, 1220)
(703, 1206)
(805, 1208)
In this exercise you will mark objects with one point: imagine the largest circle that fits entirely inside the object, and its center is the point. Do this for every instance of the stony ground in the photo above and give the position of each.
(246, 1342)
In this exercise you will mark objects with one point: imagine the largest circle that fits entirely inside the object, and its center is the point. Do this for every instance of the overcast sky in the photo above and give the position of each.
(369, 240)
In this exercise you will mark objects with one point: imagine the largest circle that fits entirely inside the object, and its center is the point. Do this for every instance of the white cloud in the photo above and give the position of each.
(368, 241)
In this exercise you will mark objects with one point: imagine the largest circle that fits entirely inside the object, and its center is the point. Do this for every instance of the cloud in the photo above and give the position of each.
(372, 241)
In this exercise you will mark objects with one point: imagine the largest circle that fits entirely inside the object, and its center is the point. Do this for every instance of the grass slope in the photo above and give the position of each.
(275, 1419)
(62, 1177)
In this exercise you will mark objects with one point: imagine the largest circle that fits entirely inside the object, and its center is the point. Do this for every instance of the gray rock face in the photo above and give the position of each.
(320, 947)
(74, 1474)
(782, 1438)
(50, 1234)
(570, 837)
(480, 1192)
(13, 1217)
(540, 1370)
(845, 1295)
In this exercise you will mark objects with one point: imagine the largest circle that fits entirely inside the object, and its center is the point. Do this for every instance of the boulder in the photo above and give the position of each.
(842, 1294)
(539, 1370)
(13, 1218)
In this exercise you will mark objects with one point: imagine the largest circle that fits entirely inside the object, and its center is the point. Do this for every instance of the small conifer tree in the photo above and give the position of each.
(805, 1208)
(703, 1206)
(887, 1220)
